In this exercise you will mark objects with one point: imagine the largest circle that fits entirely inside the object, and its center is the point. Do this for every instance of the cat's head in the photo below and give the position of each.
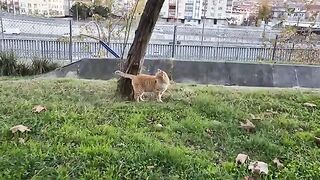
(161, 74)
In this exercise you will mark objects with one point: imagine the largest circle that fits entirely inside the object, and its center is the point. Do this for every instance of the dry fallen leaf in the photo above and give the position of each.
(278, 163)
(158, 126)
(309, 104)
(248, 126)
(253, 117)
(258, 167)
(242, 158)
(121, 145)
(267, 114)
(20, 128)
(21, 141)
(39, 108)
(270, 113)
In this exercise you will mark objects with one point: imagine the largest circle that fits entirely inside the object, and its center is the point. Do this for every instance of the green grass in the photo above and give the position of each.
(88, 132)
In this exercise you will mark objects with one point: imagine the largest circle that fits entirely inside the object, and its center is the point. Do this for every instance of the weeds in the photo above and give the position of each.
(40, 66)
(87, 132)
(9, 66)
(23, 70)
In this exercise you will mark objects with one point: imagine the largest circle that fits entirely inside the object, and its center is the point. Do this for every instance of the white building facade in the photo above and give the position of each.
(173, 9)
(48, 8)
(216, 9)
(216, 12)
(196, 10)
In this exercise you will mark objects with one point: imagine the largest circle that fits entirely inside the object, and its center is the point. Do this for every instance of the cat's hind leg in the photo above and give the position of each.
(138, 92)
(141, 99)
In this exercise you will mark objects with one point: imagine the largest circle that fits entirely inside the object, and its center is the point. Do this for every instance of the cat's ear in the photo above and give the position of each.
(159, 70)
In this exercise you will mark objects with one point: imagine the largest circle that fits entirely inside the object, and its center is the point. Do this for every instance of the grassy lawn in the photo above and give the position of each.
(87, 132)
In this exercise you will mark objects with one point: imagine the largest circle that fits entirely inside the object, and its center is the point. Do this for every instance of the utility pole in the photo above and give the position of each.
(14, 7)
(69, 6)
(175, 29)
(77, 9)
(264, 31)
(2, 35)
(7, 1)
(174, 41)
(203, 19)
(177, 7)
(70, 40)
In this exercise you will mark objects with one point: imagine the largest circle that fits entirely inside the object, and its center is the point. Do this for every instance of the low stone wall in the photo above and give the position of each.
(220, 73)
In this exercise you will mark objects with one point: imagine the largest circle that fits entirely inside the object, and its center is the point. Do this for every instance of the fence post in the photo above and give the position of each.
(2, 34)
(70, 40)
(42, 47)
(292, 49)
(202, 33)
(174, 40)
(274, 48)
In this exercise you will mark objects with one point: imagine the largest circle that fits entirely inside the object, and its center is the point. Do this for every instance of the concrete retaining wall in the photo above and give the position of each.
(220, 73)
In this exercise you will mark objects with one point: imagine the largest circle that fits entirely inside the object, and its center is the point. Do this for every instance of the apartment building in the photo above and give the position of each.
(195, 11)
(296, 13)
(173, 9)
(11, 6)
(181, 10)
(48, 8)
(216, 11)
(229, 6)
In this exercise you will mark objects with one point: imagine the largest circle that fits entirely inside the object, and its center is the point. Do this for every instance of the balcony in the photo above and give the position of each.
(172, 6)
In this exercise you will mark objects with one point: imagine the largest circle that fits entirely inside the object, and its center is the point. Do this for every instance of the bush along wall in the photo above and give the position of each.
(9, 66)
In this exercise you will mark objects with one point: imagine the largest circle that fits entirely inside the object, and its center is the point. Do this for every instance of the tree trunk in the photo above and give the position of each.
(139, 46)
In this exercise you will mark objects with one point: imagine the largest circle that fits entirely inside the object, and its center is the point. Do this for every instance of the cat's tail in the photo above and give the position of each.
(125, 75)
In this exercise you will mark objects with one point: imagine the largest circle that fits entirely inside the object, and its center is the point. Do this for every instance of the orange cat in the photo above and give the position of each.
(141, 83)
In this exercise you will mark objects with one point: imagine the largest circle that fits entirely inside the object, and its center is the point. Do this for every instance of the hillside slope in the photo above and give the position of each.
(88, 132)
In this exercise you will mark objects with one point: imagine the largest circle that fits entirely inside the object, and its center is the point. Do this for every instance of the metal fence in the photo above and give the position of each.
(52, 29)
(217, 35)
(60, 50)
(50, 39)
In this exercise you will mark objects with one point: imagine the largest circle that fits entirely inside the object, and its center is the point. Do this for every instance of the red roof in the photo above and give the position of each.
(313, 7)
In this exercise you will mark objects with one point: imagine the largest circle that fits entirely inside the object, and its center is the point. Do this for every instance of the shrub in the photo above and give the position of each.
(8, 64)
(40, 66)
(23, 70)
